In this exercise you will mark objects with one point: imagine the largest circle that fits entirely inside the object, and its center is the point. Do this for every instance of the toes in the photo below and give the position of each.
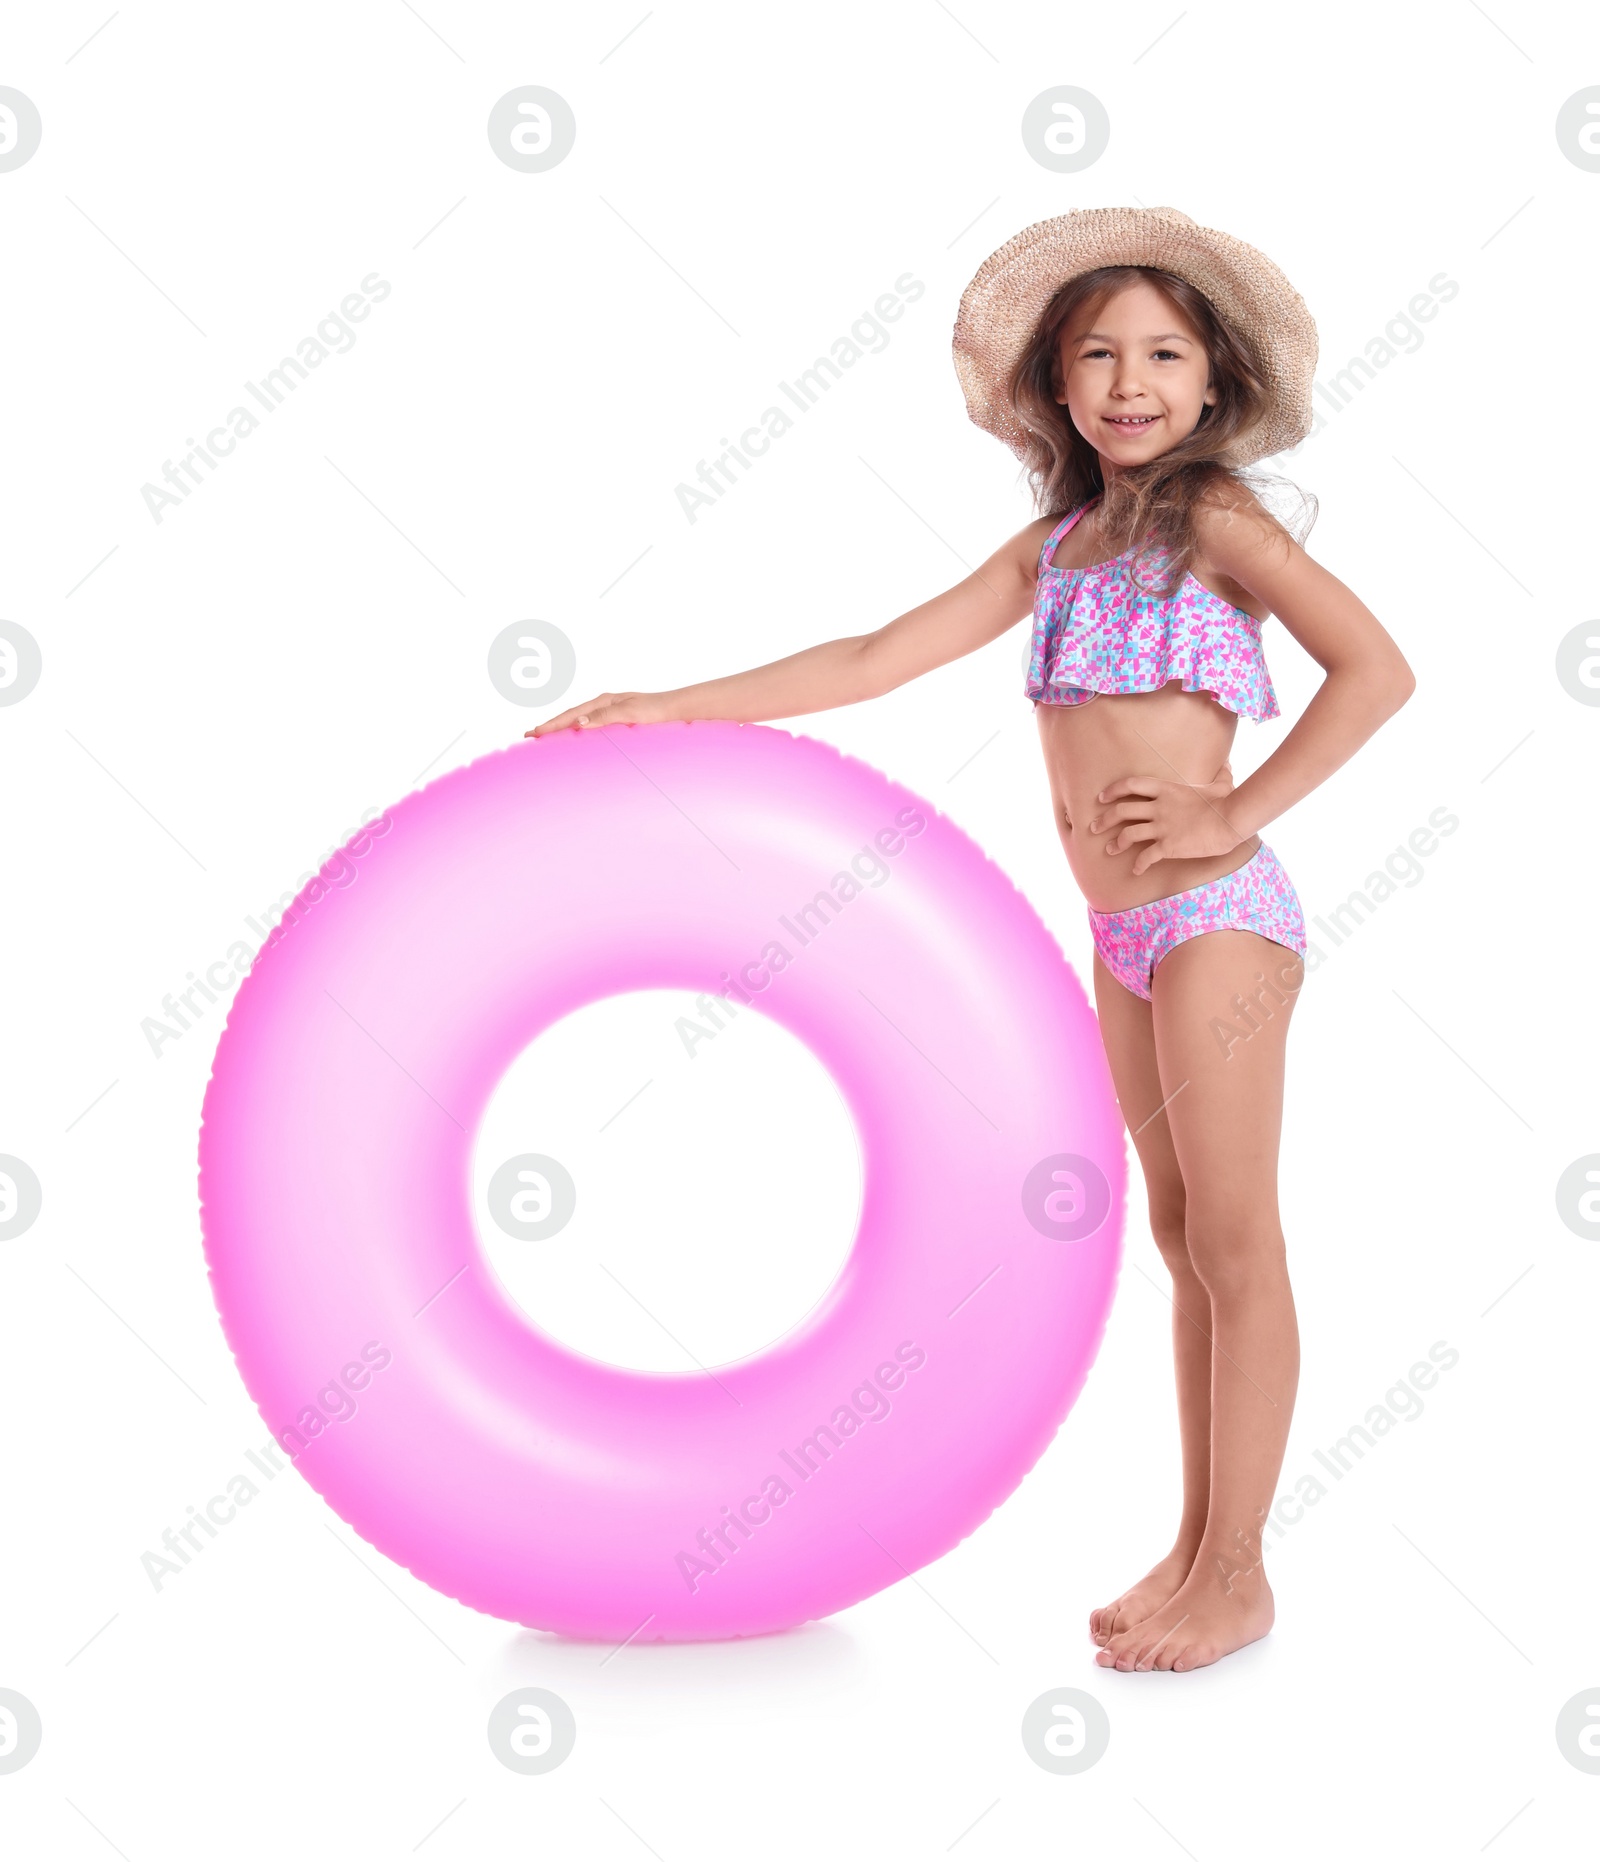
(1183, 1653)
(1106, 1622)
(1139, 1646)
(1194, 1655)
(1115, 1652)
(1150, 1644)
(1126, 1650)
(1159, 1651)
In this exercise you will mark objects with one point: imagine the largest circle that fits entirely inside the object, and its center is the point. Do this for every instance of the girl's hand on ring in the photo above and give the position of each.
(607, 708)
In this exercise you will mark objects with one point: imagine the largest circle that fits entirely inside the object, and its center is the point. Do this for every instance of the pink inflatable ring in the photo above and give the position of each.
(540, 1485)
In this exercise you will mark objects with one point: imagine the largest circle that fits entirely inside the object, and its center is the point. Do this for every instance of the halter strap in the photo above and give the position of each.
(1061, 529)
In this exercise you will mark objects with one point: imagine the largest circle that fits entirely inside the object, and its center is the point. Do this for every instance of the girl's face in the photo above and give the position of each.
(1134, 376)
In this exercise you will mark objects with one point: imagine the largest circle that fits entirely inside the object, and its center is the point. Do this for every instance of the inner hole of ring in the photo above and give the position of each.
(666, 1183)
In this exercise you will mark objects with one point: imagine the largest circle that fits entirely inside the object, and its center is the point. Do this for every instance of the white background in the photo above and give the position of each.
(225, 692)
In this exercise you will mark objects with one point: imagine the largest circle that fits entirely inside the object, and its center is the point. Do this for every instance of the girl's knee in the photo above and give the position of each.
(1169, 1231)
(1234, 1251)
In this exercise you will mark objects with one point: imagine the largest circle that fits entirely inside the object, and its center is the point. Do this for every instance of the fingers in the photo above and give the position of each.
(1131, 836)
(583, 717)
(1129, 785)
(559, 722)
(1121, 811)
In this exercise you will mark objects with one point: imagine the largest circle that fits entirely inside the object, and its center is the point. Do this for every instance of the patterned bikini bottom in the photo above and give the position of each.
(1257, 896)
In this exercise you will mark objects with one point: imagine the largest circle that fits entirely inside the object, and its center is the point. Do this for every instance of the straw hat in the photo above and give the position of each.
(1001, 307)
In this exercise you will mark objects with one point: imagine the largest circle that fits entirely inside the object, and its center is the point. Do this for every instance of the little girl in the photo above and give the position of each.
(1135, 362)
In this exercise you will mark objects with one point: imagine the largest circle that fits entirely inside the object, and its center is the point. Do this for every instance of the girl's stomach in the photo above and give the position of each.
(1170, 734)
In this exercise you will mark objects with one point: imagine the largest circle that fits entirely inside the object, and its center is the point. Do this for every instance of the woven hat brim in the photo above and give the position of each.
(1001, 307)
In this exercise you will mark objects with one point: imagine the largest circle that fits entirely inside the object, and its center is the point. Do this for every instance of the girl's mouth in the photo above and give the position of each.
(1131, 423)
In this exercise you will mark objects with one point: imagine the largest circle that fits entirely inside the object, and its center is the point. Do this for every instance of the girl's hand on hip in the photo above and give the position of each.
(1166, 820)
(608, 708)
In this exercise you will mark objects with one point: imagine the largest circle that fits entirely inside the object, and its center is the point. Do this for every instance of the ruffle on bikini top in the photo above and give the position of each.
(1095, 631)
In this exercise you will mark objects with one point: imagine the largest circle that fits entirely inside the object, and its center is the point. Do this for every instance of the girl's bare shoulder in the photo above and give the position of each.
(1236, 536)
(1230, 521)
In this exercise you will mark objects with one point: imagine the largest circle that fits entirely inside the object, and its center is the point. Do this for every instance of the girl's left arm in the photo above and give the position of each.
(1366, 678)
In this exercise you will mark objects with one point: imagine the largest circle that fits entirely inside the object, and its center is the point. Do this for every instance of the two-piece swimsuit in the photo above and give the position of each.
(1095, 631)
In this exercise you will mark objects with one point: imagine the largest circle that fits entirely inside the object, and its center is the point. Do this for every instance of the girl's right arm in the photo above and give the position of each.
(844, 672)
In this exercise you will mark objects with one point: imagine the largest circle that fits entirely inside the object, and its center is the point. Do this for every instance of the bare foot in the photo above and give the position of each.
(1207, 1617)
(1155, 1588)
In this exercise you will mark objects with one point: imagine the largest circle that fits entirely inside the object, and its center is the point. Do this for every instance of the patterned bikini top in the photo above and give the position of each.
(1095, 630)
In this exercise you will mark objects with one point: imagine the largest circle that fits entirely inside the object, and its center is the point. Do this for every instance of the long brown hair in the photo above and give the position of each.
(1149, 507)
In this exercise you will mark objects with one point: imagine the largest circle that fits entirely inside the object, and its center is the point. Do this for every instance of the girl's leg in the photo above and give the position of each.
(1221, 1013)
(1127, 1028)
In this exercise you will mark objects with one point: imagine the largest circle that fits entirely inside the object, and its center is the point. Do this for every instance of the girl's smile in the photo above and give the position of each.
(1134, 378)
